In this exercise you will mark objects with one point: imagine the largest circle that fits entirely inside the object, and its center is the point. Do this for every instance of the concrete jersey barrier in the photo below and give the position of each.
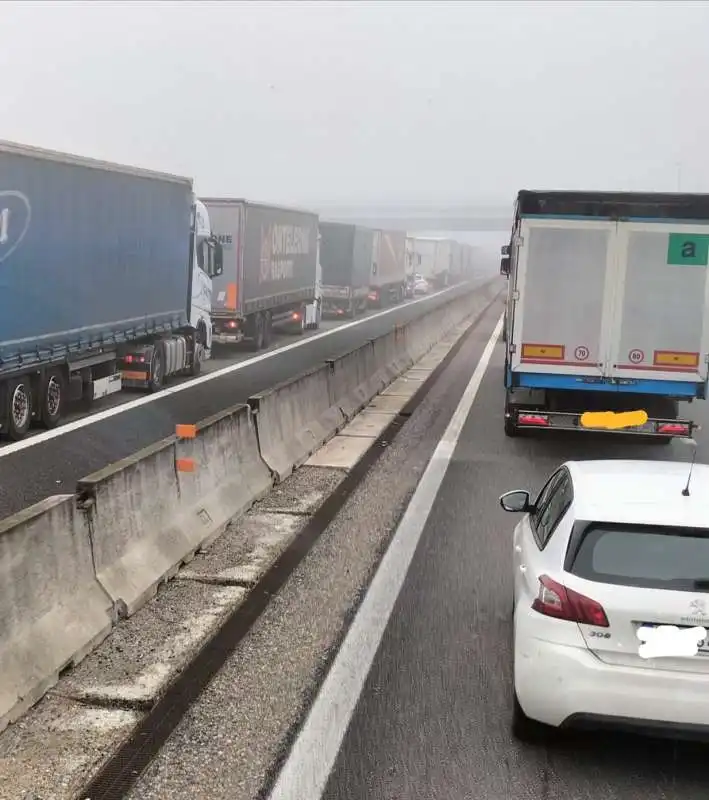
(53, 611)
(147, 518)
(294, 419)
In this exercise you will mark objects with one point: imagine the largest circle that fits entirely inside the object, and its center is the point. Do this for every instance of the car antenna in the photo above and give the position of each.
(693, 443)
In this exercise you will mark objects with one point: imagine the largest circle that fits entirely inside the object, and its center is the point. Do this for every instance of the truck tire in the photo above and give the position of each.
(267, 329)
(197, 359)
(18, 411)
(257, 332)
(157, 368)
(52, 399)
(510, 428)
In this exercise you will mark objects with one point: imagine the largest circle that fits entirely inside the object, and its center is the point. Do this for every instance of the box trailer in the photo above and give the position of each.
(346, 258)
(270, 269)
(387, 281)
(105, 278)
(607, 311)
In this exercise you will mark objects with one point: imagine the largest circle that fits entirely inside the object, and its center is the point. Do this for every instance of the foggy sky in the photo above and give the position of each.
(368, 102)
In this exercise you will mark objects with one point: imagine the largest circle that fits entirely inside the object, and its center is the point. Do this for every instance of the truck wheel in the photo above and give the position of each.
(19, 408)
(267, 330)
(197, 359)
(52, 399)
(258, 333)
(157, 369)
(510, 428)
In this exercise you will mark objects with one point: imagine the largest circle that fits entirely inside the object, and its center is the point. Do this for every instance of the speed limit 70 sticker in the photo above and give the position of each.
(581, 353)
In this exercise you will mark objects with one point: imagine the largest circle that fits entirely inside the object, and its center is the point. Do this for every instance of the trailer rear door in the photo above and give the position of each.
(562, 298)
(661, 326)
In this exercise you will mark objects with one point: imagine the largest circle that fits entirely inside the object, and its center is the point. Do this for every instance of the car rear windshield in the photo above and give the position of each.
(647, 556)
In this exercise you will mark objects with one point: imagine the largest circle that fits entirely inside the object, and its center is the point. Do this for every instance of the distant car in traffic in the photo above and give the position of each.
(610, 561)
(421, 285)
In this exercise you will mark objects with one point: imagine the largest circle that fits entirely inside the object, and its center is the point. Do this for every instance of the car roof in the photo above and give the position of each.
(641, 492)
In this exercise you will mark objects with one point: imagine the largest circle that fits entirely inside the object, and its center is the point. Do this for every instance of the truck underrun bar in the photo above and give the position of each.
(565, 420)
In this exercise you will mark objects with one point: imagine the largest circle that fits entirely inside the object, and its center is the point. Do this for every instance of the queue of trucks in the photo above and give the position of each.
(113, 277)
(607, 319)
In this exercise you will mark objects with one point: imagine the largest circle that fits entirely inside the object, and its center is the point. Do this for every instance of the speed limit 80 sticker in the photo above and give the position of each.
(636, 356)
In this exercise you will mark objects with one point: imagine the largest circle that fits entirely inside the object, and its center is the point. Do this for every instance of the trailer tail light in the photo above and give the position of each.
(673, 428)
(232, 323)
(534, 420)
(373, 296)
(129, 359)
(340, 310)
(556, 600)
(295, 316)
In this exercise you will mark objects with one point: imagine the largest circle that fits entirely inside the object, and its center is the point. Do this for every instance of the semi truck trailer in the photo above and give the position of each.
(387, 281)
(270, 270)
(607, 311)
(346, 257)
(105, 277)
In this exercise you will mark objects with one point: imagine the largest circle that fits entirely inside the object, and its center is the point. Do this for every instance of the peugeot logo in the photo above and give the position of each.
(698, 606)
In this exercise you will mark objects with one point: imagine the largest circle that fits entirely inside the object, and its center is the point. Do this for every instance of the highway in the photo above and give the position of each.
(432, 719)
(51, 462)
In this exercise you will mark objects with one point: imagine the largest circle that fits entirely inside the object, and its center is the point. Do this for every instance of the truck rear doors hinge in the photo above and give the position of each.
(515, 294)
(518, 240)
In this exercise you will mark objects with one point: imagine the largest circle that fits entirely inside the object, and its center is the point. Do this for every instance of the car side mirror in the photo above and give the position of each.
(516, 501)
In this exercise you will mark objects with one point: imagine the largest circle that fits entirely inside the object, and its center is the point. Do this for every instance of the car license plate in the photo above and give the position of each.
(703, 646)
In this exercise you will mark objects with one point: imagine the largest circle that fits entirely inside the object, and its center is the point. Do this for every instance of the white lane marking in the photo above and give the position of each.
(309, 764)
(76, 425)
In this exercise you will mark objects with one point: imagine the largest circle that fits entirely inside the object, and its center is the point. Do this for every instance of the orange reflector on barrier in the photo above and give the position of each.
(675, 358)
(185, 464)
(186, 431)
(613, 421)
(551, 351)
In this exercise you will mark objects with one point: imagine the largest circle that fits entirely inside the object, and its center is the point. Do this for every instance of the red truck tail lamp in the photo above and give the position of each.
(534, 420)
(674, 429)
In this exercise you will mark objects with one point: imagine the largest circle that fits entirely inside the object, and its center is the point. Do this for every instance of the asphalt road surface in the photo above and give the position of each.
(40, 468)
(433, 720)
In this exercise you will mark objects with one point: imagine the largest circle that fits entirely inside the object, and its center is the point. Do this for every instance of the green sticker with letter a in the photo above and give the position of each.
(688, 250)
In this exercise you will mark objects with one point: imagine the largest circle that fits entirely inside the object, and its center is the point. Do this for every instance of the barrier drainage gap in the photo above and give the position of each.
(121, 772)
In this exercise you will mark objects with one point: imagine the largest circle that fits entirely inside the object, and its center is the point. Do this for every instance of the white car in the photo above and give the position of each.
(608, 558)
(421, 285)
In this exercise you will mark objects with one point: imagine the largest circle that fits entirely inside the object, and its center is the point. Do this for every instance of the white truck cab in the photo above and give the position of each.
(313, 311)
(206, 255)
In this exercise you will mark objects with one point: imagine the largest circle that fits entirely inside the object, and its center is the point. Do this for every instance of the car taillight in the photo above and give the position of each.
(673, 429)
(539, 420)
(556, 600)
(373, 296)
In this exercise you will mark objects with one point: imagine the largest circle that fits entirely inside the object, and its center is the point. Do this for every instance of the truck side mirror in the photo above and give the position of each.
(505, 265)
(218, 268)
